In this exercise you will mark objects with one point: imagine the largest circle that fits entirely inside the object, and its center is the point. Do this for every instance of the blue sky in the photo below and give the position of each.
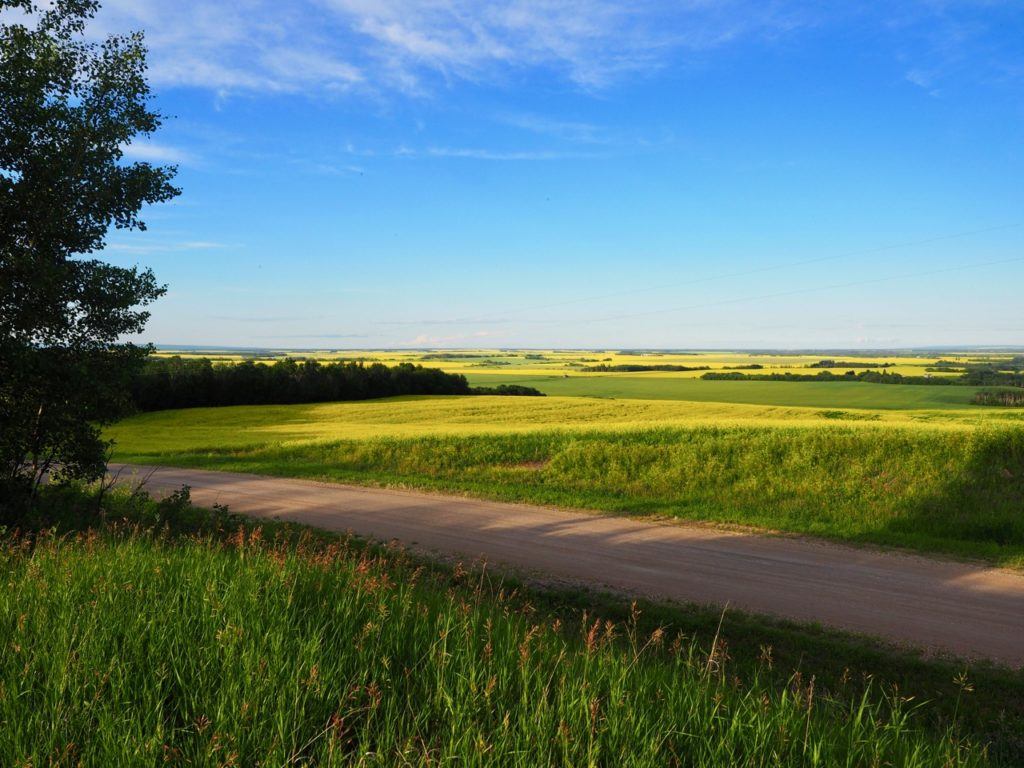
(389, 173)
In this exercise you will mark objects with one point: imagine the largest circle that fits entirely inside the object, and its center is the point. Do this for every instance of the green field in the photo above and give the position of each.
(244, 426)
(166, 635)
(840, 394)
(942, 481)
(563, 373)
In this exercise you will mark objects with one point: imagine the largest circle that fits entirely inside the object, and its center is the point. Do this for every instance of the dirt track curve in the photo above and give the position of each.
(965, 609)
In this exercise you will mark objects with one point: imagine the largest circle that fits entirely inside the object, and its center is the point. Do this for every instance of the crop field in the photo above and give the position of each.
(663, 386)
(574, 362)
(421, 416)
(569, 374)
(170, 635)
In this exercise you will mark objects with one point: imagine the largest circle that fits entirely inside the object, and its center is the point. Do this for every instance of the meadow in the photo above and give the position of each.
(663, 386)
(947, 481)
(164, 634)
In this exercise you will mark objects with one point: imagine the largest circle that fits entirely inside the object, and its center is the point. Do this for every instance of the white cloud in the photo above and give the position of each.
(417, 46)
(424, 340)
(146, 248)
(566, 130)
(467, 153)
(153, 152)
(950, 42)
(471, 153)
(923, 80)
(242, 45)
(412, 45)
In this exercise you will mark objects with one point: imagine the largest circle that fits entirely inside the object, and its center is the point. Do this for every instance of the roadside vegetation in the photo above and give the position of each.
(842, 476)
(161, 633)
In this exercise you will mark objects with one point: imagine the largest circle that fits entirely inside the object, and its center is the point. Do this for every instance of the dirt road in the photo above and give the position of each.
(966, 609)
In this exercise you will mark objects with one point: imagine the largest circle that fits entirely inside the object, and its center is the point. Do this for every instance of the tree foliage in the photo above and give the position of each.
(175, 382)
(68, 108)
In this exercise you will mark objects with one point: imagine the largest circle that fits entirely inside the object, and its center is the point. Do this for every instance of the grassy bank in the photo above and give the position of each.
(957, 492)
(205, 643)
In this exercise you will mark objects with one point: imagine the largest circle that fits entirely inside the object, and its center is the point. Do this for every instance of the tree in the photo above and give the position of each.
(68, 107)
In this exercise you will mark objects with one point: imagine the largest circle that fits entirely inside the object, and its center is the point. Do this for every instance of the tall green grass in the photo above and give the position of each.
(135, 648)
(954, 492)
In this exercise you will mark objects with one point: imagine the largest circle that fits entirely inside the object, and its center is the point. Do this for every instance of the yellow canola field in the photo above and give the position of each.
(573, 362)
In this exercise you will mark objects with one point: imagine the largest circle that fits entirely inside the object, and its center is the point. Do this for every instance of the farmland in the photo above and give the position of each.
(659, 386)
(566, 373)
(505, 362)
(909, 465)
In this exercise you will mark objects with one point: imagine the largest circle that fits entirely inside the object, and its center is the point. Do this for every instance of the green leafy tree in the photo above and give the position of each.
(68, 108)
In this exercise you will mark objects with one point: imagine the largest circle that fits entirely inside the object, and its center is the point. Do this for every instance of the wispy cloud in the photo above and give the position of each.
(474, 153)
(924, 80)
(321, 336)
(153, 152)
(456, 321)
(416, 45)
(244, 45)
(945, 41)
(187, 245)
(576, 132)
(264, 318)
(425, 339)
(467, 153)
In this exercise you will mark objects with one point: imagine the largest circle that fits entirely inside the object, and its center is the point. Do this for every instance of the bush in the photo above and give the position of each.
(515, 390)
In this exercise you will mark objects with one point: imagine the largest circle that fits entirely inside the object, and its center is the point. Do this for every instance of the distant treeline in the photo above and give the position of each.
(874, 377)
(1006, 398)
(630, 367)
(175, 382)
(514, 390)
(982, 376)
(451, 356)
(976, 376)
(848, 364)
